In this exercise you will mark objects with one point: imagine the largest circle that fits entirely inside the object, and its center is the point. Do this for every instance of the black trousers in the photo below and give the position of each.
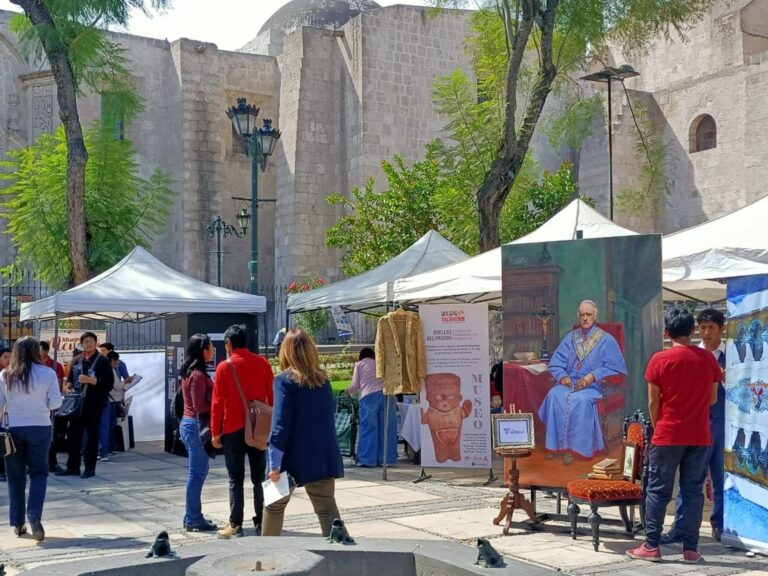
(235, 451)
(89, 422)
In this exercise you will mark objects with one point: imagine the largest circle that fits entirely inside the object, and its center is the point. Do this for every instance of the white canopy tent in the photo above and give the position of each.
(478, 279)
(733, 245)
(374, 288)
(140, 287)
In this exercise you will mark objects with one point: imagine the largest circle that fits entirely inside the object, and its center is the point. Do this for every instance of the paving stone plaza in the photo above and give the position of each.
(139, 493)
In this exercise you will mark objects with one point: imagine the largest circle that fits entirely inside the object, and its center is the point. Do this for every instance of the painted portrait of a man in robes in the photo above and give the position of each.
(581, 319)
(579, 365)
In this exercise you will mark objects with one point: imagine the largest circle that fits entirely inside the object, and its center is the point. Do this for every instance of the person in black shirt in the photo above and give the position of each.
(93, 375)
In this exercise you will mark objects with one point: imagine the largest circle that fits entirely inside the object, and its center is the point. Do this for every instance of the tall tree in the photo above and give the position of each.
(123, 209)
(70, 33)
(559, 34)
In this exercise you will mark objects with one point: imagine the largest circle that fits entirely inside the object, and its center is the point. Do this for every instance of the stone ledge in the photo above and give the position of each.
(377, 556)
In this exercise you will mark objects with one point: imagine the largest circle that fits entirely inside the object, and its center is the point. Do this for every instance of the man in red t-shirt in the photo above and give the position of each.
(682, 385)
(228, 424)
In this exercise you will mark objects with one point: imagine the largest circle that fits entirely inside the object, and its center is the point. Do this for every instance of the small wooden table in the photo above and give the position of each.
(513, 500)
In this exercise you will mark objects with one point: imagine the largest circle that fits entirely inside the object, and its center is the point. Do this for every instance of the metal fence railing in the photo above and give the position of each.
(150, 335)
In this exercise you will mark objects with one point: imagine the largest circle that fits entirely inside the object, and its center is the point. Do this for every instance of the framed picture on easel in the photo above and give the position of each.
(513, 431)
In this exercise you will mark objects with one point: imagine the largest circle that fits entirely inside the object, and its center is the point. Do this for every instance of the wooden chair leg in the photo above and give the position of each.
(625, 518)
(594, 522)
(573, 512)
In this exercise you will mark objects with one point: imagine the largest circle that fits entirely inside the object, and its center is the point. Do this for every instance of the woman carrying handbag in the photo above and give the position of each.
(28, 392)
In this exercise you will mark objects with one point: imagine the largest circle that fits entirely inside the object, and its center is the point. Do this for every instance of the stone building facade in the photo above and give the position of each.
(350, 84)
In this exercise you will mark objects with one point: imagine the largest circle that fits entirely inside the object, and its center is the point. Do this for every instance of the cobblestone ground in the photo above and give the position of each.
(141, 492)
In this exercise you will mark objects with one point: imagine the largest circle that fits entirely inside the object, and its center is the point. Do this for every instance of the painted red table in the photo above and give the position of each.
(525, 389)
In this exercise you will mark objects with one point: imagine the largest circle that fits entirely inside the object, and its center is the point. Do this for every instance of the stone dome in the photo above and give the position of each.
(315, 14)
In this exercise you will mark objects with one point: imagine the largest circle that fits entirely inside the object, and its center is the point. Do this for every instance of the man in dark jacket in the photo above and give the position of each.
(92, 375)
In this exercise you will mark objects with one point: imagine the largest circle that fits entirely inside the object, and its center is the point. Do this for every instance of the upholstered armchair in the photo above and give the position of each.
(625, 493)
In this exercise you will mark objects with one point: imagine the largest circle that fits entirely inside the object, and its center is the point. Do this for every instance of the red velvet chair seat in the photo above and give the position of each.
(603, 490)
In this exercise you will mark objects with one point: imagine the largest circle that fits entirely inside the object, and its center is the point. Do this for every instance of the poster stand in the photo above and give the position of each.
(422, 476)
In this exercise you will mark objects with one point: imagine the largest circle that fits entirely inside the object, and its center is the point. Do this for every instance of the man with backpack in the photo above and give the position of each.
(247, 375)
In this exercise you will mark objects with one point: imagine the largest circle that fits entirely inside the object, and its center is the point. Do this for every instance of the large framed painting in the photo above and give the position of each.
(581, 320)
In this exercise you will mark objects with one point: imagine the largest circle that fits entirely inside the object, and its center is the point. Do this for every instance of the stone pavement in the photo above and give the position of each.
(141, 492)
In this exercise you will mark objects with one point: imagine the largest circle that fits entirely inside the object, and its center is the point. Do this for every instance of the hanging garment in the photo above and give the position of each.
(400, 356)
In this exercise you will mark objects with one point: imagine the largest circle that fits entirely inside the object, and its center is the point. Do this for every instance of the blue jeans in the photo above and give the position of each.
(107, 429)
(663, 463)
(717, 473)
(370, 448)
(198, 470)
(31, 456)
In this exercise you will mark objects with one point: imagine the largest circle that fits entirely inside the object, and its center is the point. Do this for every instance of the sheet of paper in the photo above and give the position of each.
(135, 379)
(539, 368)
(274, 491)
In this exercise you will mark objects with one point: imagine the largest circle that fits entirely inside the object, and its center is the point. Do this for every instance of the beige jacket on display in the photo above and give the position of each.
(400, 356)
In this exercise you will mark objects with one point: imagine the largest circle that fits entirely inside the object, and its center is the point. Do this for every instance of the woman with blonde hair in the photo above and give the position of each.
(303, 440)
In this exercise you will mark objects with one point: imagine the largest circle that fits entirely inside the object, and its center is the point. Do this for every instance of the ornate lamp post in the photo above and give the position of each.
(607, 76)
(259, 145)
(219, 228)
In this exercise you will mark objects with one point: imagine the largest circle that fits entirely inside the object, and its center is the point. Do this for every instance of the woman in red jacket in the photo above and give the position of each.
(196, 388)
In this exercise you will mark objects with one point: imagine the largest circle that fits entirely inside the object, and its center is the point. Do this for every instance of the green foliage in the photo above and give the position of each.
(123, 209)
(315, 320)
(651, 154)
(377, 226)
(539, 203)
(78, 30)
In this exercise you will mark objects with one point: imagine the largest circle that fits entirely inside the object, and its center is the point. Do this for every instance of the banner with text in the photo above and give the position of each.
(67, 341)
(343, 326)
(455, 400)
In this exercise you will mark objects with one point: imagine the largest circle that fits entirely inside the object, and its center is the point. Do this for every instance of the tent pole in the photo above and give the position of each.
(386, 430)
(55, 339)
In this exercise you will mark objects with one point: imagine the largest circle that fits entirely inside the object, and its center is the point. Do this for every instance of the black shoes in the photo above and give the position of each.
(717, 534)
(257, 525)
(37, 531)
(204, 526)
(20, 530)
(66, 472)
(88, 474)
(55, 469)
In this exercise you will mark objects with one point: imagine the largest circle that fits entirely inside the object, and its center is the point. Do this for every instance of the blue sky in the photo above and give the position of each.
(227, 23)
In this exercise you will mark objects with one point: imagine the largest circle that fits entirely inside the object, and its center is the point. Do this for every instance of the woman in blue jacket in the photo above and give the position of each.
(303, 440)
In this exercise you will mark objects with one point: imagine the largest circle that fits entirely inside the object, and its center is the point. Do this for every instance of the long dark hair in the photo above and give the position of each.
(25, 353)
(195, 359)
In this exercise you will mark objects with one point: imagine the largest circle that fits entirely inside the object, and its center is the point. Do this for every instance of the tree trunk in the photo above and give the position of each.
(494, 190)
(77, 155)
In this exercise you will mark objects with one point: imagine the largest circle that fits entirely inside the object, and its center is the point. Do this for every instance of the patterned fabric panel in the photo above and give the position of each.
(635, 433)
(604, 489)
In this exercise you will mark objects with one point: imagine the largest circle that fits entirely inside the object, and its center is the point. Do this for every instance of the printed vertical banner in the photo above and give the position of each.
(343, 327)
(746, 415)
(455, 399)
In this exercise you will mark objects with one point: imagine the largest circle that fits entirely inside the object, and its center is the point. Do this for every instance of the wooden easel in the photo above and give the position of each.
(514, 500)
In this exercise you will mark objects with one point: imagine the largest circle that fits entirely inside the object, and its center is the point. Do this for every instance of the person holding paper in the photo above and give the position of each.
(303, 440)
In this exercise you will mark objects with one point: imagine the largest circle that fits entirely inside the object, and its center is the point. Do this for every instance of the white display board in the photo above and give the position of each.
(455, 399)
(148, 406)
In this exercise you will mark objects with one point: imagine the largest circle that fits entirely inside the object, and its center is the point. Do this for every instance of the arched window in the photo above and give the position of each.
(703, 134)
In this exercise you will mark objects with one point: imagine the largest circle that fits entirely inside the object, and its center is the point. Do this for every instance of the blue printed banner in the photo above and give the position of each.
(746, 415)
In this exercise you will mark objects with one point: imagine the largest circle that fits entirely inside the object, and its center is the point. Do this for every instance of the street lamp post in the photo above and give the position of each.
(259, 145)
(607, 76)
(219, 228)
